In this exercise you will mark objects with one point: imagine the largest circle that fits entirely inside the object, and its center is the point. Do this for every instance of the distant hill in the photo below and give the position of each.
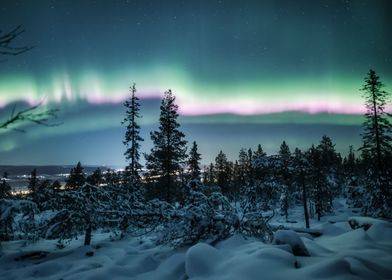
(14, 170)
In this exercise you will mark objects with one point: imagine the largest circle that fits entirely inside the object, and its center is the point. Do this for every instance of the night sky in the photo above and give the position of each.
(244, 72)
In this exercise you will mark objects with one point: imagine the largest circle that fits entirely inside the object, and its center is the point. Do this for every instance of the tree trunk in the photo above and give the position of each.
(87, 236)
(305, 203)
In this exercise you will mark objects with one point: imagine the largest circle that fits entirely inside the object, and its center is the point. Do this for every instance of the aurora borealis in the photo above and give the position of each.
(254, 71)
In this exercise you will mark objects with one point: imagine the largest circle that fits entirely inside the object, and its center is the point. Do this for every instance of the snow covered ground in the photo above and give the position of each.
(340, 253)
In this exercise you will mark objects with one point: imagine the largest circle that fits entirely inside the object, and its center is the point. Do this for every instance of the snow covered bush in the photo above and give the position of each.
(202, 218)
(17, 219)
(252, 222)
(82, 209)
(292, 239)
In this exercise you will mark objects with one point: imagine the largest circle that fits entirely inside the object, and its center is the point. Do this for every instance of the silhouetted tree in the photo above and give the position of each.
(33, 185)
(300, 167)
(132, 141)
(285, 178)
(223, 173)
(377, 146)
(5, 188)
(76, 177)
(319, 191)
(259, 170)
(96, 178)
(377, 129)
(194, 162)
(168, 155)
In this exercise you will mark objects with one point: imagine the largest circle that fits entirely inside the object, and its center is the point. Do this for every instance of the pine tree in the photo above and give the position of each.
(132, 141)
(194, 162)
(168, 155)
(377, 147)
(76, 177)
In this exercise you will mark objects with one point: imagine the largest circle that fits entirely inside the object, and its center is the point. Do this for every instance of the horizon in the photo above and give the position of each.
(259, 72)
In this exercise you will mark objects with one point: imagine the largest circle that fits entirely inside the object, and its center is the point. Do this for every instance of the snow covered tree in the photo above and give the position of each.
(194, 162)
(331, 166)
(132, 141)
(208, 218)
(209, 175)
(76, 178)
(24, 226)
(168, 154)
(319, 192)
(81, 209)
(377, 147)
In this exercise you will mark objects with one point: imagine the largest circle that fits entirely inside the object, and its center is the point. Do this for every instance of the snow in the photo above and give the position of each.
(292, 239)
(339, 253)
(201, 260)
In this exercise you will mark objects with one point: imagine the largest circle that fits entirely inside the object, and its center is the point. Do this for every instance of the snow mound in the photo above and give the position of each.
(363, 222)
(339, 268)
(381, 232)
(292, 239)
(201, 259)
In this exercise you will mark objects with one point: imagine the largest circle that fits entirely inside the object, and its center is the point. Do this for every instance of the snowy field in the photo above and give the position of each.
(339, 253)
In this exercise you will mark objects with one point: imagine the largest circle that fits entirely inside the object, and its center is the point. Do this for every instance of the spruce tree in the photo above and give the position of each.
(377, 147)
(76, 177)
(377, 140)
(242, 171)
(350, 163)
(223, 173)
(132, 141)
(258, 158)
(319, 191)
(330, 167)
(168, 154)
(194, 162)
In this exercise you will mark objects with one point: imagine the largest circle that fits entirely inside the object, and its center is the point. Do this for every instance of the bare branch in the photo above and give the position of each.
(31, 115)
(7, 39)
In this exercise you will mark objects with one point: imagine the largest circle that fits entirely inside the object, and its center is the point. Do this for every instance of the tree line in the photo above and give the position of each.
(183, 203)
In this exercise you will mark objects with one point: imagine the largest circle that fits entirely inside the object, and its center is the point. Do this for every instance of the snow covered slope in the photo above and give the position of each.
(340, 253)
